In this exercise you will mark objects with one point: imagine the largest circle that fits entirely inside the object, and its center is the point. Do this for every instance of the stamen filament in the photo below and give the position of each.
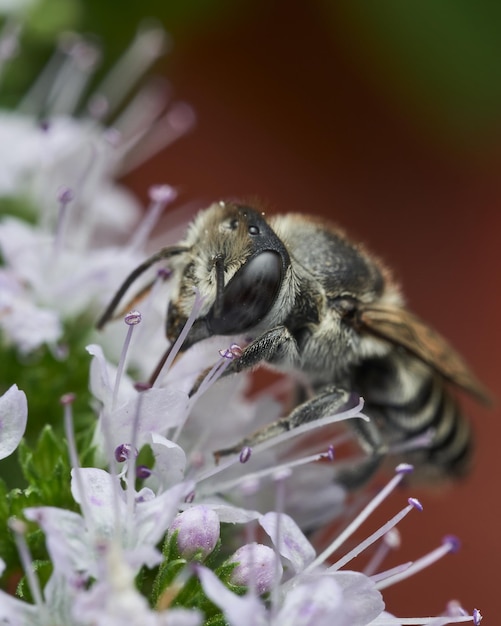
(214, 373)
(19, 528)
(131, 319)
(267, 471)
(131, 463)
(372, 538)
(391, 572)
(161, 195)
(357, 522)
(178, 120)
(81, 58)
(280, 478)
(67, 402)
(390, 541)
(417, 566)
(421, 621)
(145, 49)
(197, 305)
(65, 196)
(9, 40)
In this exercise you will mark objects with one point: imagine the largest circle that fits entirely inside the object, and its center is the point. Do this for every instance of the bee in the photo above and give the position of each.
(310, 300)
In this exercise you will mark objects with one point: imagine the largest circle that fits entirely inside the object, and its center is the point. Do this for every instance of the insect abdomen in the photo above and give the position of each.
(415, 409)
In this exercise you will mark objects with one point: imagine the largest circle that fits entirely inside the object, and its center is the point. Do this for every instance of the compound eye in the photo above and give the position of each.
(249, 295)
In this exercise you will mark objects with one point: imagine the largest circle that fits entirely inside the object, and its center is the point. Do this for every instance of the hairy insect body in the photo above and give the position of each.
(407, 400)
(309, 300)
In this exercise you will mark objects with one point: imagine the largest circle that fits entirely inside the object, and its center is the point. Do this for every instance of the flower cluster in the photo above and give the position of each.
(131, 518)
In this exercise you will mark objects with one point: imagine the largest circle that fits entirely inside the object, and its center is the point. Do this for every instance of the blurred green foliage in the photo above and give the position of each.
(443, 59)
(440, 59)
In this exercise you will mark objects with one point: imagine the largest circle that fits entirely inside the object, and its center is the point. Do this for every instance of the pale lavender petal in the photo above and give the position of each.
(153, 518)
(67, 540)
(159, 410)
(29, 326)
(385, 619)
(232, 514)
(292, 544)
(170, 461)
(16, 612)
(312, 496)
(145, 555)
(362, 602)
(100, 490)
(102, 375)
(13, 418)
(244, 610)
(316, 602)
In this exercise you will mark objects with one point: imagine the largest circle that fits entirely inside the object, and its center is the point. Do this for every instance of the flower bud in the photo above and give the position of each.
(257, 567)
(198, 532)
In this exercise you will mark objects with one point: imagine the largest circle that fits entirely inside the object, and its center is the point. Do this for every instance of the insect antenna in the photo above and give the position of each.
(164, 253)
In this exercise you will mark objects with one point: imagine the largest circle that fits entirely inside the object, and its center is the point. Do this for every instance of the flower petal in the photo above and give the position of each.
(292, 544)
(316, 602)
(361, 600)
(66, 538)
(170, 463)
(13, 418)
(239, 610)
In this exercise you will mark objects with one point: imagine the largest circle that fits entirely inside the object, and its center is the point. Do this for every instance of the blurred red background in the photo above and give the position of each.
(317, 114)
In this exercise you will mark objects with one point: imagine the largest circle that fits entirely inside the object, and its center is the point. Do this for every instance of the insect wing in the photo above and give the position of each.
(405, 329)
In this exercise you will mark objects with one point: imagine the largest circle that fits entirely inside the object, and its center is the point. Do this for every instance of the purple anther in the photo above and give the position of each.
(142, 471)
(67, 398)
(142, 386)
(245, 454)
(453, 542)
(236, 350)
(65, 195)
(164, 273)
(404, 468)
(415, 503)
(162, 193)
(124, 451)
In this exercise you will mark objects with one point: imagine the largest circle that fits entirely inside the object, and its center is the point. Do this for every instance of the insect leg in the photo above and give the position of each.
(273, 346)
(330, 401)
(371, 441)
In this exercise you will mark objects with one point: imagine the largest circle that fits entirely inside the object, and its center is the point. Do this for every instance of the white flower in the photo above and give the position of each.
(64, 171)
(137, 521)
(114, 600)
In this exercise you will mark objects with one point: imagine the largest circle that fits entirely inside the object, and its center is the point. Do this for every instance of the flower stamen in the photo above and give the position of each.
(18, 528)
(449, 544)
(386, 528)
(401, 470)
(160, 196)
(131, 319)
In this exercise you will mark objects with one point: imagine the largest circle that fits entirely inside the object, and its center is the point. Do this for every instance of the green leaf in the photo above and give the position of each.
(47, 469)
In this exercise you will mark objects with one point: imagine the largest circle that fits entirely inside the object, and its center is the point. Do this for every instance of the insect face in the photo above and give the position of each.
(238, 266)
